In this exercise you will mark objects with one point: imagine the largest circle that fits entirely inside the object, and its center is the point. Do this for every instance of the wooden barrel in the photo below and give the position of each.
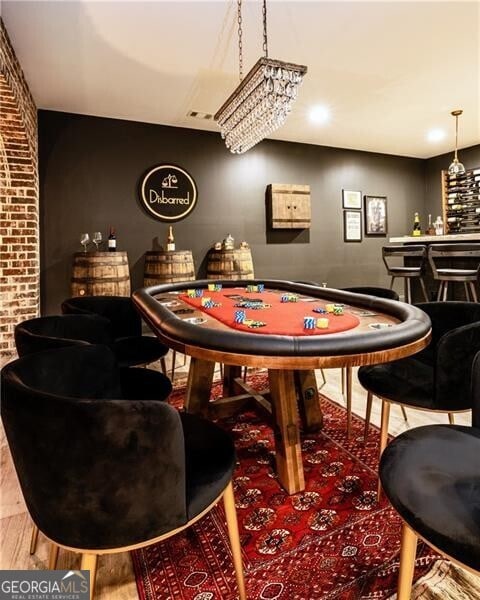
(100, 274)
(168, 267)
(230, 264)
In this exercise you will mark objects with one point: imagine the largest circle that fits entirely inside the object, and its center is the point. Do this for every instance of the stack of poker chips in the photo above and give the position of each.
(206, 300)
(329, 307)
(240, 316)
(322, 323)
(319, 310)
(198, 293)
(214, 287)
(309, 322)
(337, 310)
(209, 303)
(191, 294)
(289, 298)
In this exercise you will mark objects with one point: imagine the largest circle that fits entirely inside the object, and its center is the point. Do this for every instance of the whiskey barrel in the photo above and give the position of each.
(100, 274)
(168, 267)
(230, 264)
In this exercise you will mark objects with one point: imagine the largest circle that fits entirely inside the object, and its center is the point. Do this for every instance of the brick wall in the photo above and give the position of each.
(19, 228)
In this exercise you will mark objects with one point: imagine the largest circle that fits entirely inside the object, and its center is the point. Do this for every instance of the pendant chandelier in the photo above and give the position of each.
(263, 99)
(456, 167)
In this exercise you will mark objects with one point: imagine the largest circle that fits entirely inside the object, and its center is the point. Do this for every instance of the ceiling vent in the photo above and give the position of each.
(196, 114)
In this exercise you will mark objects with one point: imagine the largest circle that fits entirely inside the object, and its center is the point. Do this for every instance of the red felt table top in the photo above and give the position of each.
(283, 318)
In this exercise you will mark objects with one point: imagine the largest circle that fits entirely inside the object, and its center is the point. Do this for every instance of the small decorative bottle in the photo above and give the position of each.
(416, 225)
(112, 240)
(170, 240)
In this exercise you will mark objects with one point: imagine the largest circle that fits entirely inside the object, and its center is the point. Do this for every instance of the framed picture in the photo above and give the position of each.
(375, 213)
(352, 226)
(351, 199)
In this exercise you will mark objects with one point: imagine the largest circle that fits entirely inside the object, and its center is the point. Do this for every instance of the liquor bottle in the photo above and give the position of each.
(416, 225)
(170, 240)
(112, 240)
(430, 230)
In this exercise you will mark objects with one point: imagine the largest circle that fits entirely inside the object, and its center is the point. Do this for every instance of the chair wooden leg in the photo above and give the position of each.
(53, 556)
(451, 419)
(439, 292)
(172, 371)
(342, 374)
(368, 413)
(473, 291)
(383, 438)
(164, 366)
(34, 539)
(89, 563)
(234, 536)
(445, 291)
(322, 373)
(404, 413)
(349, 400)
(408, 551)
(409, 290)
(467, 294)
(424, 289)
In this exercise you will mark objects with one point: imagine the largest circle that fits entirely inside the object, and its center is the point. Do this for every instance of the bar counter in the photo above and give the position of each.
(441, 239)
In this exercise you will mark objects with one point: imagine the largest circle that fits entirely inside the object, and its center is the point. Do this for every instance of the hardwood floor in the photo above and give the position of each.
(115, 578)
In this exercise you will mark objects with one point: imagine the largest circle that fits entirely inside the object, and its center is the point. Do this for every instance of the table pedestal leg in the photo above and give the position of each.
(287, 436)
(199, 386)
(310, 408)
(230, 372)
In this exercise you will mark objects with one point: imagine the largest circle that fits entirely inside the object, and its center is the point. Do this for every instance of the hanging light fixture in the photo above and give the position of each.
(262, 101)
(456, 167)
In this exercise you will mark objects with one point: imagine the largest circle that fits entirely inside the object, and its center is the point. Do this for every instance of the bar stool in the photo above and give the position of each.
(418, 251)
(437, 254)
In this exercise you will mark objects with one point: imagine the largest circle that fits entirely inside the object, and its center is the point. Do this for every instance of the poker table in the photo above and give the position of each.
(289, 328)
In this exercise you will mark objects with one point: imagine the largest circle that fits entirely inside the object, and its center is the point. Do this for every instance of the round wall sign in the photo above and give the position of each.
(168, 193)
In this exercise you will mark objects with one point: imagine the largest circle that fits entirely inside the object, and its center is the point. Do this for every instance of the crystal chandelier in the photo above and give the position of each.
(456, 167)
(263, 99)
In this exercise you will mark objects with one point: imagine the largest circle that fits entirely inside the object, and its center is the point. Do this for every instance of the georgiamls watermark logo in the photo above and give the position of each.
(44, 585)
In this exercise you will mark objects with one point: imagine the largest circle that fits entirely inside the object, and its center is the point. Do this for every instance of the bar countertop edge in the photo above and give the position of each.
(451, 237)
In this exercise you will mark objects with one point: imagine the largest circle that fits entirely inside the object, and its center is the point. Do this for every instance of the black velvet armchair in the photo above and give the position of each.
(431, 475)
(436, 379)
(129, 345)
(100, 473)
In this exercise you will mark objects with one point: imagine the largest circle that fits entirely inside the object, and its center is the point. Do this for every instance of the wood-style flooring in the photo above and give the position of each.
(115, 578)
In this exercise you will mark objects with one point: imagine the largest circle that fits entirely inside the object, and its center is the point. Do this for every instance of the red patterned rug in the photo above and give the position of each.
(331, 541)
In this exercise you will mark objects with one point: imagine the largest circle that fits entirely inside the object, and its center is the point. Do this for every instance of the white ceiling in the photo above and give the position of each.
(388, 71)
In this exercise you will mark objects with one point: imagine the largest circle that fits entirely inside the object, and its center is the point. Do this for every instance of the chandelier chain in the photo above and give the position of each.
(456, 136)
(240, 32)
(265, 42)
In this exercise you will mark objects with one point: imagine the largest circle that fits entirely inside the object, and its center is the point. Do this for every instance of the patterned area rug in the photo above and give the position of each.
(331, 541)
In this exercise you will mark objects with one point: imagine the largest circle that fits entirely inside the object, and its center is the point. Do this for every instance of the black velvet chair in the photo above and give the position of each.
(431, 475)
(58, 331)
(437, 378)
(129, 345)
(100, 473)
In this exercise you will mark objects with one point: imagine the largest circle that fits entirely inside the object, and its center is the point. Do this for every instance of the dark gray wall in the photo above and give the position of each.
(470, 157)
(90, 168)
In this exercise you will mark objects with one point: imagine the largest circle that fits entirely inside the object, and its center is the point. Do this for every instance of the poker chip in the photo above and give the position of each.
(289, 298)
(198, 293)
(323, 323)
(309, 322)
(337, 310)
(319, 310)
(254, 324)
(214, 287)
(191, 294)
(240, 316)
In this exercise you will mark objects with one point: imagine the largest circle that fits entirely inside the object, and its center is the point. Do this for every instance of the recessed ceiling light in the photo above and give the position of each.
(319, 114)
(436, 135)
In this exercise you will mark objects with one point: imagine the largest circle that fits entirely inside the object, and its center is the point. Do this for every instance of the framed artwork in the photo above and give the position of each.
(375, 213)
(352, 226)
(351, 200)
